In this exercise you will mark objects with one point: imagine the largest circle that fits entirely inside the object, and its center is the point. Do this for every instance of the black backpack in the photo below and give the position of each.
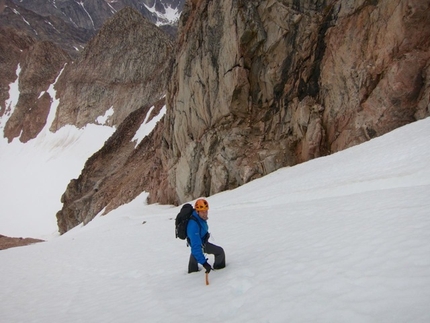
(181, 221)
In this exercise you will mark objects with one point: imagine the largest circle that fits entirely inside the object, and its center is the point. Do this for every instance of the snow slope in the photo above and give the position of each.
(344, 238)
(34, 175)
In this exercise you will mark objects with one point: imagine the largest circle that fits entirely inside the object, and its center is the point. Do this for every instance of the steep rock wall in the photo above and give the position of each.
(115, 174)
(45, 27)
(126, 66)
(374, 77)
(258, 85)
(13, 46)
(40, 66)
(119, 69)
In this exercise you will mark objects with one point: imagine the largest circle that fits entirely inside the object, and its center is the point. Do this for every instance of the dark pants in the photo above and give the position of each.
(212, 249)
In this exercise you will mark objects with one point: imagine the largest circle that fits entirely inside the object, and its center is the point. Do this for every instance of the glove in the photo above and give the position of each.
(207, 267)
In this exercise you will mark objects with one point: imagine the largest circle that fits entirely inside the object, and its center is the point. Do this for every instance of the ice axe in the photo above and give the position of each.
(207, 278)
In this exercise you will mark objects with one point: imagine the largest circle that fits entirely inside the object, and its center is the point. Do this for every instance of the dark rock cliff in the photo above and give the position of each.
(258, 85)
(40, 65)
(122, 67)
(114, 175)
(253, 86)
(126, 68)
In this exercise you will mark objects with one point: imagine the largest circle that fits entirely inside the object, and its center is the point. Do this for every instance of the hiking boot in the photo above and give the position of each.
(193, 271)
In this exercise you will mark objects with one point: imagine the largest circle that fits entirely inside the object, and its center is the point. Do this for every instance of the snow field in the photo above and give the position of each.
(344, 238)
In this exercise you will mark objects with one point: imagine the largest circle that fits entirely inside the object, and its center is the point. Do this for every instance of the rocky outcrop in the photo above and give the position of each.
(12, 46)
(40, 46)
(26, 45)
(117, 173)
(375, 76)
(126, 67)
(11, 242)
(258, 85)
(123, 68)
(121, 74)
(40, 65)
(255, 86)
(90, 15)
(43, 27)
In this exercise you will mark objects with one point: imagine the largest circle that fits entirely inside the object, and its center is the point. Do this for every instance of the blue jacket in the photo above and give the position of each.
(197, 236)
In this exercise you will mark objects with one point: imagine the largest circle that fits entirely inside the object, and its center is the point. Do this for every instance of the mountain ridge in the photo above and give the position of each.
(249, 87)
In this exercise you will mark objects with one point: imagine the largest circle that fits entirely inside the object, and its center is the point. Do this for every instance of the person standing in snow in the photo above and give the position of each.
(198, 236)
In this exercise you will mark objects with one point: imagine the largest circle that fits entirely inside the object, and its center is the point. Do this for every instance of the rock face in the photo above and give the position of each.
(119, 69)
(10, 242)
(12, 44)
(375, 77)
(254, 86)
(126, 68)
(83, 14)
(116, 174)
(258, 85)
(40, 66)
(57, 30)
(40, 46)
(123, 68)
(90, 15)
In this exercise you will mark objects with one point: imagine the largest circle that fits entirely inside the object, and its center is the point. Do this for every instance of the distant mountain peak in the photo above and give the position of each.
(167, 12)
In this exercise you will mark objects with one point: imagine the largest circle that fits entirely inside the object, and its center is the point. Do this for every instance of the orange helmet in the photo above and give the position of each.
(201, 205)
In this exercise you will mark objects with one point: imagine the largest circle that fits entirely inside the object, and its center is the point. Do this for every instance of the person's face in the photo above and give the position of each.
(203, 214)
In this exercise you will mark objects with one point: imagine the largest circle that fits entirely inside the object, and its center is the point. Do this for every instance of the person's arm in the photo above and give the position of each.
(193, 232)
